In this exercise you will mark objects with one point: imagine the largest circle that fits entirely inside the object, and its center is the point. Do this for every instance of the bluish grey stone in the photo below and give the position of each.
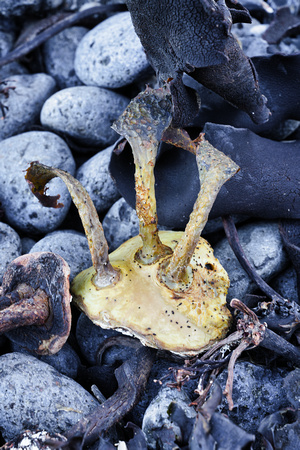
(6, 42)
(71, 245)
(257, 392)
(23, 101)
(27, 244)
(21, 207)
(262, 244)
(19, 7)
(61, 47)
(10, 247)
(84, 113)
(120, 224)
(111, 54)
(95, 177)
(33, 395)
(12, 69)
(157, 414)
(286, 284)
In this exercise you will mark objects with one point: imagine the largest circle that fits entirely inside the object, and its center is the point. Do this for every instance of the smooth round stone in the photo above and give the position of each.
(263, 247)
(111, 55)
(120, 224)
(84, 113)
(23, 102)
(33, 395)
(62, 47)
(71, 245)
(19, 7)
(95, 177)
(21, 207)
(10, 247)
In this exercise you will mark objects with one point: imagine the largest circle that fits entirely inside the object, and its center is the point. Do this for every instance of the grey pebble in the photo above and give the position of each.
(120, 224)
(22, 98)
(10, 247)
(286, 284)
(95, 177)
(157, 414)
(6, 42)
(33, 395)
(27, 244)
(84, 113)
(71, 245)
(65, 361)
(21, 207)
(257, 392)
(111, 54)
(19, 7)
(262, 244)
(61, 47)
(12, 69)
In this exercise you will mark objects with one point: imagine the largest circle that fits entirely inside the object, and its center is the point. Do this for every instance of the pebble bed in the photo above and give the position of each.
(58, 110)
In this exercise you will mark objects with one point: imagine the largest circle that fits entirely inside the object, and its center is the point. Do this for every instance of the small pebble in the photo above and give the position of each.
(257, 391)
(120, 224)
(10, 247)
(263, 247)
(65, 361)
(21, 207)
(286, 284)
(33, 395)
(84, 113)
(71, 245)
(6, 42)
(111, 55)
(157, 414)
(22, 98)
(61, 47)
(12, 69)
(95, 177)
(27, 244)
(20, 7)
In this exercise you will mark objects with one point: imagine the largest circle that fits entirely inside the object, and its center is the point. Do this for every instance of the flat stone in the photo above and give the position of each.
(71, 245)
(120, 224)
(33, 395)
(10, 247)
(22, 99)
(95, 177)
(22, 209)
(262, 244)
(257, 392)
(84, 113)
(62, 47)
(111, 55)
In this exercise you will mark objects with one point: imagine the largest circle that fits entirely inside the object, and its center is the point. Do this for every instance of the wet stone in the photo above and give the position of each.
(120, 224)
(22, 98)
(84, 113)
(157, 414)
(10, 247)
(33, 395)
(62, 47)
(263, 247)
(111, 54)
(22, 209)
(71, 245)
(65, 361)
(95, 177)
(257, 392)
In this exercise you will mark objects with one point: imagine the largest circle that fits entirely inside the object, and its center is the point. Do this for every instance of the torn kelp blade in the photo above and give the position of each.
(139, 304)
(266, 186)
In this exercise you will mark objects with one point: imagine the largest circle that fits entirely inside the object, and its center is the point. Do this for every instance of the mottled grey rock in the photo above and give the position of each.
(262, 244)
(71, 245)
(291, 386)
(21, 207)
(22, 98)
(10, 247)
(120, 224)
(12, 69)
(6, 42)
(19, 7)
(65, 361)
(85, 113)
(257, 392)
(95, 177)
(61, 47)
(157, 414)
(33, 395)
(286, 284)
(111, 54)
(89, 336)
